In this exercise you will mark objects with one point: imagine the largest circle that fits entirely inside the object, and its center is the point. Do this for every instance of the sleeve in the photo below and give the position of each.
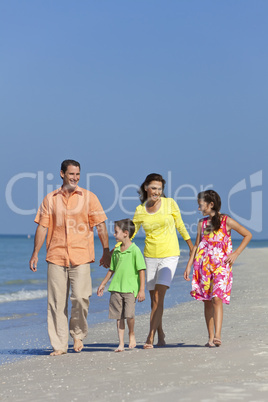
(175, 211)
(140, 263)
(136, 222)
(43, 215)
(113, 262)
(96, 215)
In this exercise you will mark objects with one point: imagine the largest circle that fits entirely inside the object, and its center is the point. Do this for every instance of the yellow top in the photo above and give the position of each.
(160, 229)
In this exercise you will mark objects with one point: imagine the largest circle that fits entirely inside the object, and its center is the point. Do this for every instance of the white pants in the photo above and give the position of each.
(160, 271)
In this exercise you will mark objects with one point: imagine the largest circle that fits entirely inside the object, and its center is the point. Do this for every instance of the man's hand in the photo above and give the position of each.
(106, 258)
(33, 262)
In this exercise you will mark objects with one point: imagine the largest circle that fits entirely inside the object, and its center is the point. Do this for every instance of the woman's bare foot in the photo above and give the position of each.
(132, 341)
(57, 353)
(78, 345)
(161, 340)
(148, 346)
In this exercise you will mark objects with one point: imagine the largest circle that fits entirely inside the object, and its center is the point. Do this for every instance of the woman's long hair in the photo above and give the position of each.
(151, 177)
(211, 196)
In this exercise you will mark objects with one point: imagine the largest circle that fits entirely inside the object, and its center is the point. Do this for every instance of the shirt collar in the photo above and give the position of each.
(77, 190)
(128, 250)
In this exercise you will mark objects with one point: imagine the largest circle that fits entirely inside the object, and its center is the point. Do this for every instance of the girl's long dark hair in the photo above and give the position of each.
(151, 177)
(211, 196)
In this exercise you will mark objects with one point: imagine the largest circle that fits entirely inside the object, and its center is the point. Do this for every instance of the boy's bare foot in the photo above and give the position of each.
(132, 341)
(57, 353)
(120, 349)
(78, 345)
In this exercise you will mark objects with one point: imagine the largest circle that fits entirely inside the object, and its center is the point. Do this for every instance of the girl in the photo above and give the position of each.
(212, 258)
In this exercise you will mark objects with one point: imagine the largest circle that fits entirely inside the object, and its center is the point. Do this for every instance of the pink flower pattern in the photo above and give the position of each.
(212, 277)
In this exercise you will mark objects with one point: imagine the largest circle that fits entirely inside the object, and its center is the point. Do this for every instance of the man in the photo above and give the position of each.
(67, 216)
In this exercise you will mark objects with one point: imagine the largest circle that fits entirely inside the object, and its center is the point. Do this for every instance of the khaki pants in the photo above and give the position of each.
(59, 280)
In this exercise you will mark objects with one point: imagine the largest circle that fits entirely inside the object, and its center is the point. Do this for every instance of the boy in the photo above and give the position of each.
(128, 283)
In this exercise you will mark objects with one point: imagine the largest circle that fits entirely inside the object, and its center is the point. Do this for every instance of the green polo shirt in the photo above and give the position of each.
(126, 266)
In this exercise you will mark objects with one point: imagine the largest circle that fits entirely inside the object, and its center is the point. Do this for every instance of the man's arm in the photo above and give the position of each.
(39, 239)
(103, 236)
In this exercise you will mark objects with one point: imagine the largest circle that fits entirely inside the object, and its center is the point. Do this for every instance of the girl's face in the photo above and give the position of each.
(119, 234)
(205, 207)
(154, 190)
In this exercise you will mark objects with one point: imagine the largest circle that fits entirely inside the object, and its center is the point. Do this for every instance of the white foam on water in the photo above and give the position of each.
(23, 295)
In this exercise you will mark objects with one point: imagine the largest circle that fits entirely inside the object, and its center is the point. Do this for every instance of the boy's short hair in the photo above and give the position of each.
(126, 224)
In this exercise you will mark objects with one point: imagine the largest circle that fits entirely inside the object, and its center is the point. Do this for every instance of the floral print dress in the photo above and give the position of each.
(212, 277)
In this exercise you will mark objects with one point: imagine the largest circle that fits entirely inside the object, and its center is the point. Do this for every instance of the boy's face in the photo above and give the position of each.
(119, 234)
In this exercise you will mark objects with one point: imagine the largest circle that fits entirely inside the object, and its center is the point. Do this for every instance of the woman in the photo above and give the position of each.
(159, 217)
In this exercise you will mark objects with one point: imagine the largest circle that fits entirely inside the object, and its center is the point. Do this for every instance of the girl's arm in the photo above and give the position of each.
(232, 224)
(103, 283)
(193, 252)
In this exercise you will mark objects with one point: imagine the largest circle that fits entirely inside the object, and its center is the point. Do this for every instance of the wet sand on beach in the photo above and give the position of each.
(184, 370)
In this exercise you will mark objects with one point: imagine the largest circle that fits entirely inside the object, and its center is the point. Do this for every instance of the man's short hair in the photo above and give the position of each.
(126, 224)
(68, 162)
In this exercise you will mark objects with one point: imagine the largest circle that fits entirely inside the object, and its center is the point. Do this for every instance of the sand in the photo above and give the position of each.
(184, 370)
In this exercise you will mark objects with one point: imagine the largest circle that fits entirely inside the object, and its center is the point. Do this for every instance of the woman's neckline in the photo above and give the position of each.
(155, 212)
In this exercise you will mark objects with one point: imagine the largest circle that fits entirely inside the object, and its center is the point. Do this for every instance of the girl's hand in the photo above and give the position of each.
(231, 258)
(187, 273)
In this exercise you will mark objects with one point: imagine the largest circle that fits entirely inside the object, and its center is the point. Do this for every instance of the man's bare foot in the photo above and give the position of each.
(57, 353)
(120, 348)
(132, 341)
(78, 345)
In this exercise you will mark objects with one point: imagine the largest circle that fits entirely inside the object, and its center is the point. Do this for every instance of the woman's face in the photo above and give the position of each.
(154, 190)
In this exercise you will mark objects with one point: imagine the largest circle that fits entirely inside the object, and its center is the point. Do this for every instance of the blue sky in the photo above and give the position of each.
(130, 88)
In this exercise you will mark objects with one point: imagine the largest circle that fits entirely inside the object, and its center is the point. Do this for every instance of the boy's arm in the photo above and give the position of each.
(103, 283)
(141, 294)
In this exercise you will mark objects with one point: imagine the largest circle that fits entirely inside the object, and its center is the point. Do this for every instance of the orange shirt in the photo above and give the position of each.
(70, 222)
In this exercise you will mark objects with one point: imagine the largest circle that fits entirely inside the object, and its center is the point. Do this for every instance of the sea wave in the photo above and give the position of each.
(22, 295)
(25, 282)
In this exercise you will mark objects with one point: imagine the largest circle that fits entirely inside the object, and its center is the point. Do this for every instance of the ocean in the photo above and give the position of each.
(23, 302)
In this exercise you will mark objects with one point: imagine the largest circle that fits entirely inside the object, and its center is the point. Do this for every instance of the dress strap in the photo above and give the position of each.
(223, 223)
(204, 223)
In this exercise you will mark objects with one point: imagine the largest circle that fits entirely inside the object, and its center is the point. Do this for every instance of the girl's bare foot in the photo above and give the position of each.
(120, 348)
(57, 353)
(78, 345)
(217, 342)
(132, 341)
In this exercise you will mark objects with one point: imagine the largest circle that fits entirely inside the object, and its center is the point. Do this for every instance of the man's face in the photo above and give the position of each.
(70, 177)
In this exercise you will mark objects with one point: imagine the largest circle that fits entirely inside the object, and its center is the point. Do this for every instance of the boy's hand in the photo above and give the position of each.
(100, 289)
(141, 296)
